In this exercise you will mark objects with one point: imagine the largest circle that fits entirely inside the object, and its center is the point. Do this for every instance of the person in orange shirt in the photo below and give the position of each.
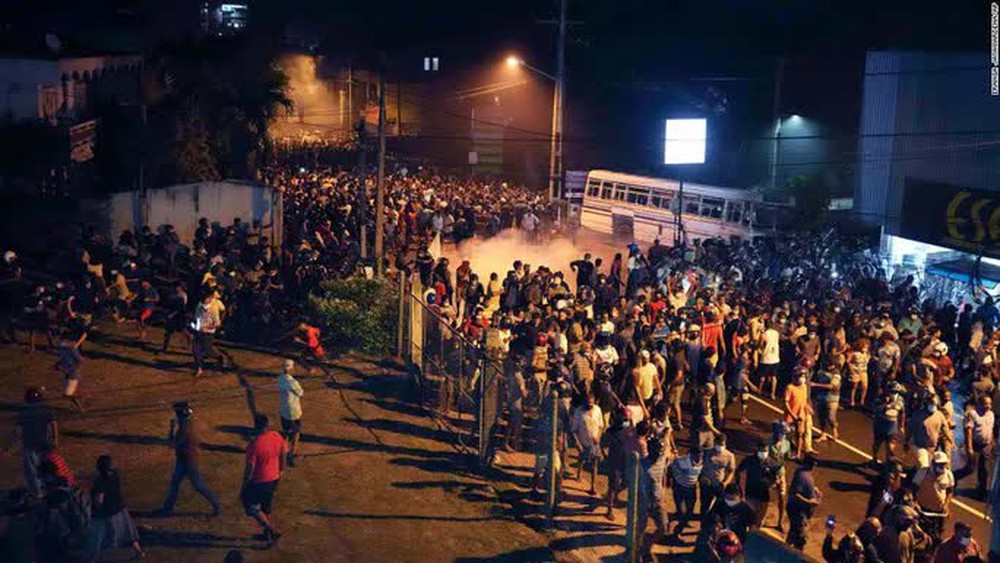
(798, 411)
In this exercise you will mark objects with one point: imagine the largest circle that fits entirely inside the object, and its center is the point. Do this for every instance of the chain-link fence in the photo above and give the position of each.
(458, 381)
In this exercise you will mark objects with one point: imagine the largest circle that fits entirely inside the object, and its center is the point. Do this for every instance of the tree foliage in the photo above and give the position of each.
(214, 101)
(357, 313)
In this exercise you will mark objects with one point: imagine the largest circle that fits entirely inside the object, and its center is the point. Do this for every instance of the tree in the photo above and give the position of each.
(217, 99)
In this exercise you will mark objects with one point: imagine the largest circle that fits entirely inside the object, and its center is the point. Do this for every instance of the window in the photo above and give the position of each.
(692, 204)
(432, 64)
(734, 212)
(435, 64)
(621, 190)
(711, 207)
(593, 187)
(638, 196)
(606, 189)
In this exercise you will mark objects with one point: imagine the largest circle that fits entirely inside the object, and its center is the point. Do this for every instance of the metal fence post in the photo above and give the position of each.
(484, 438)
(401, 324)
(633, 535)
(553, 469)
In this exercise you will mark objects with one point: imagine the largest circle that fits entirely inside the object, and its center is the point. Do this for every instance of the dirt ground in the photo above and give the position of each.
(377, 480)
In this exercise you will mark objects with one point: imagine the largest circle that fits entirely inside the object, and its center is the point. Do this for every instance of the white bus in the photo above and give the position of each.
(643, 209)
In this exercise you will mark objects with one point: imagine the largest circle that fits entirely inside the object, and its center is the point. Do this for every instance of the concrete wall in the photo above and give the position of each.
(182, 206)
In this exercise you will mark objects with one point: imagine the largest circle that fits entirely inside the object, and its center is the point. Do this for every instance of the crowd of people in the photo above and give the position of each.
(638, 353)
(229, 280)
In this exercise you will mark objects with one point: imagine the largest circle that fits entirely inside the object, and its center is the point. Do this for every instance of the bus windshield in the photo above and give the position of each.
(766, 216)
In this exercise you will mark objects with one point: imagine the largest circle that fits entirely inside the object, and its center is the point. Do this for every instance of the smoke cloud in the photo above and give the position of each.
(498, 254)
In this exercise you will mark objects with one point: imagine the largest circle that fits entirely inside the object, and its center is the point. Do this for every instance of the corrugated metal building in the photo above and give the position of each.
(927, 117)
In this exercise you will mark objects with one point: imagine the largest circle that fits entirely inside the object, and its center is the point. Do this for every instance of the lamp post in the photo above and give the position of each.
(555, 136)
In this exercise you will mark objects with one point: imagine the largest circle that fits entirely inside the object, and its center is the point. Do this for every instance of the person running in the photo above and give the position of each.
(175, 318)
(291, 408)
(185, 437)
(265, 461)
(69, 365)
(313, 354)
(207, 320)
(146, 301)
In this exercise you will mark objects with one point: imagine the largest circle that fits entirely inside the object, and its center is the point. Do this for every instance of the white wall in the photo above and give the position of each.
(183, 205)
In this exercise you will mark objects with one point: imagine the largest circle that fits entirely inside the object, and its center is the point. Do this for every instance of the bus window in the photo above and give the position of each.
(606, 189)
(654, 200)
(667, 201)
(692, 204)
(621, 190)
(712, 208)
(637, 195)
(734, 212)
(593, 187)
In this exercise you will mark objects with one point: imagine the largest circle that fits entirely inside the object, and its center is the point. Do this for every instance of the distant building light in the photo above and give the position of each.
(427, 64)
(436, 65)
(432, 64)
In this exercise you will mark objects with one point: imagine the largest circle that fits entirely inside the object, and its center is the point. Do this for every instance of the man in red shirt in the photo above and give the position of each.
(265, 461)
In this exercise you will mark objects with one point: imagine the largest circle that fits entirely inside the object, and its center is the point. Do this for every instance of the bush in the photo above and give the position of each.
(357, 313)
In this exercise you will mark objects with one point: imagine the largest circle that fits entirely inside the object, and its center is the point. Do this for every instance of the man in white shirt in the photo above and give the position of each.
(979, 424)
(769, 358)
(207, 320)
(291, 408)
(588, 427)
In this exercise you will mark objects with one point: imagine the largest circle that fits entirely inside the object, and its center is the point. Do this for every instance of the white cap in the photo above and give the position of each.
(644, 354)
(940, 457)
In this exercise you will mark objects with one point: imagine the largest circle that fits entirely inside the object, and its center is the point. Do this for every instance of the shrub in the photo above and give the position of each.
(357, 313)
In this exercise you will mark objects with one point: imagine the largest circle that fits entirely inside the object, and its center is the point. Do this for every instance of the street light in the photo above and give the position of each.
(555, 145)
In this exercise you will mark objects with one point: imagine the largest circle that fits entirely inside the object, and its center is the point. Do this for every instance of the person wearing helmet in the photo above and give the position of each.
(185, 437)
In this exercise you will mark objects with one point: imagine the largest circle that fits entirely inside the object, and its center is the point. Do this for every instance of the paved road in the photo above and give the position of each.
(378, 481)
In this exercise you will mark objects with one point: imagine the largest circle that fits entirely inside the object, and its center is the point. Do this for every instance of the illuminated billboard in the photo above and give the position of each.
(685, 141)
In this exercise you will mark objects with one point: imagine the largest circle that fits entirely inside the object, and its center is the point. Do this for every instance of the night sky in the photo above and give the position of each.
(629, 64)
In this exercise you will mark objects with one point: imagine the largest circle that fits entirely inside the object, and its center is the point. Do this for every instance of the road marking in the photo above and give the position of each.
(867, 456)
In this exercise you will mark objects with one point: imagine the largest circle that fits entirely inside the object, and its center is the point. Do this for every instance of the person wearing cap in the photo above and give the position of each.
(901, 538)
(886, 489)
(803, 499)
(979, 428)
(291, 408)
(857, 373)
(935, 487)
(185, 437)
(960, 547)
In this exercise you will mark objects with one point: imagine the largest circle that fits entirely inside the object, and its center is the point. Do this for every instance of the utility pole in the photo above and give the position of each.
(555, 148)
(380, 193)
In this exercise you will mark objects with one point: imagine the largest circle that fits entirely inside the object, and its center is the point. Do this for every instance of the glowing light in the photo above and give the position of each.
(514, 62)
(685, 141)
